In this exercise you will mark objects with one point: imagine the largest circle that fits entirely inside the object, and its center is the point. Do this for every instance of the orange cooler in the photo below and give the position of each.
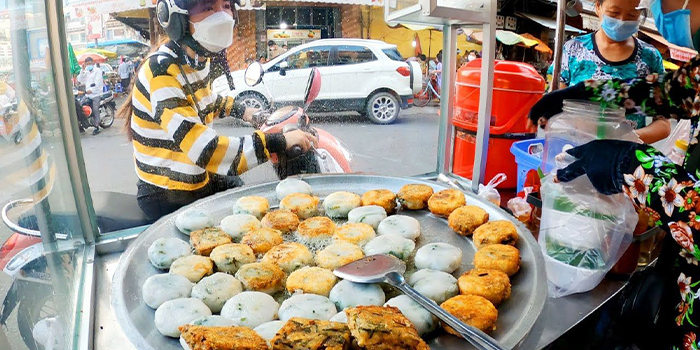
(516, 88)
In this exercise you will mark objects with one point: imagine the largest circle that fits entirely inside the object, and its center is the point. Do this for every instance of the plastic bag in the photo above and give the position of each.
(680, 132)
(582, 234)
(489, 192)
(520, 208)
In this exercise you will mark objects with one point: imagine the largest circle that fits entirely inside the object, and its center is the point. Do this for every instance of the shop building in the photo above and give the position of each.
(294, 23)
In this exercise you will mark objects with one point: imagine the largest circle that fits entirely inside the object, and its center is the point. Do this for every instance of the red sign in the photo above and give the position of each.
(682, 55)
(95, 27)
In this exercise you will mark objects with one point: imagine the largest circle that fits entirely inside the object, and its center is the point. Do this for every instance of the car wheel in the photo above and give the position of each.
(383, 108)
(253, 100)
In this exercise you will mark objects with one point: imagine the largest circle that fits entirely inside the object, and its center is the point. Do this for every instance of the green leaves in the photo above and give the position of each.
(643, 157)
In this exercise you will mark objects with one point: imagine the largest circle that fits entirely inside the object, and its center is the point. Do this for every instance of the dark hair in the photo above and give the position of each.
(127, 109)
(439, 56)
(89, 59)
(271, 42)
(642, 16)
(422, 57)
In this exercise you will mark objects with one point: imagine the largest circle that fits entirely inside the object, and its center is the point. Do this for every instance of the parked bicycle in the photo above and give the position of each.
(428, 92)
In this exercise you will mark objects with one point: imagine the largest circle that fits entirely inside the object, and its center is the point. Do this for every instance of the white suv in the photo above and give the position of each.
(367, 76)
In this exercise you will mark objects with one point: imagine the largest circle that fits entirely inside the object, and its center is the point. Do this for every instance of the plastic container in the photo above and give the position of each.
(516, 88)
(680, 147)
(579, 123)
(499, 159)
(524, 160)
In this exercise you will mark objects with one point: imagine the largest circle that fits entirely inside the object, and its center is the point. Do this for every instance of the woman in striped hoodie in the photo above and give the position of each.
(179, 157)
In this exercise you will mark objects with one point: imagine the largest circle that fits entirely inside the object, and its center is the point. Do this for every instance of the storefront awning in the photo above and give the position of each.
(506, 37)
(541, 46)
(549, 22)
(676, 52)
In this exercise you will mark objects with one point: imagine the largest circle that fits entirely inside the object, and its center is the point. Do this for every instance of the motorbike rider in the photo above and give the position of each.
(91, 78)
(668, 193)
(179, 158)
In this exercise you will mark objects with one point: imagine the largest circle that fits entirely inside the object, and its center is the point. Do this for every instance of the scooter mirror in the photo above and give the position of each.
(254, 74)
(313, 87)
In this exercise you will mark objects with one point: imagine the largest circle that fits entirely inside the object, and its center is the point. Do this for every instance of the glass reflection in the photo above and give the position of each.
(42, 241)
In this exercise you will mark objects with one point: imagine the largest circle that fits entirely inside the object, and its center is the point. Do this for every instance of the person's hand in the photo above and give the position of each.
(248, 114)
(603, 161)
(300, 138)
(551, 104)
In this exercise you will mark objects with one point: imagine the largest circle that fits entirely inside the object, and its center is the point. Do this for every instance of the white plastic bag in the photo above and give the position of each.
(681, 131)
(582, 234)
(489, 192)
(520, 208)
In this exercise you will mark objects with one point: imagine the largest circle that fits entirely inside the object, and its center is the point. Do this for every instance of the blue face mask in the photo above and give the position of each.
(90, 68)
(619, 30)
(673, 26)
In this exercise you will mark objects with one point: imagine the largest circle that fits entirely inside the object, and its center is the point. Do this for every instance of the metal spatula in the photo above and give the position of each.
(389, 269)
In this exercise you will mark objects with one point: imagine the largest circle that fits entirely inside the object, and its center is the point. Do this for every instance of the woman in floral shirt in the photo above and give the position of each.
(670, 194)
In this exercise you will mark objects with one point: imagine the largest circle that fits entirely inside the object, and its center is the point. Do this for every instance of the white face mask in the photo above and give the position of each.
(215, 33)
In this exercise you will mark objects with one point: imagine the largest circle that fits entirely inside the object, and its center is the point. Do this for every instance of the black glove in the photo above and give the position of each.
(238, 110)
(604, 161)
(552, 103)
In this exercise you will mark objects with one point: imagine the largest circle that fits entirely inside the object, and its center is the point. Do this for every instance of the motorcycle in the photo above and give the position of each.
(329, 156)
(22, 257)
(83, 106)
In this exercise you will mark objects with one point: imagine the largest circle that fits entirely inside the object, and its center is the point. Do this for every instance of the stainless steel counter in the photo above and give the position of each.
(558, 316)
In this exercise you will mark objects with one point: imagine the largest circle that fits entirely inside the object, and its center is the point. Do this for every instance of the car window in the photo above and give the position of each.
(393, 54)
(317, 56)
(353, 54)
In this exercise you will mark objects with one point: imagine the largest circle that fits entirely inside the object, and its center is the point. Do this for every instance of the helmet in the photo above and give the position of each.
(173, 16)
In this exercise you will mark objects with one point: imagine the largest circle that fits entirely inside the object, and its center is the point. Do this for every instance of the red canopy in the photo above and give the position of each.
(95, 57)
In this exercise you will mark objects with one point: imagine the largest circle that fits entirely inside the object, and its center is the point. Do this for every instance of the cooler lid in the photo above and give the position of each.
(508, 75)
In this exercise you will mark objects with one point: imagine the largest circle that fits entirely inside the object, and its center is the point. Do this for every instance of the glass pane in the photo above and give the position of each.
(354, 54)
(319, 17)
(393, 54)
(42, 275)
(288, 16)
(303, 16)
(272, 17)
(312, 57)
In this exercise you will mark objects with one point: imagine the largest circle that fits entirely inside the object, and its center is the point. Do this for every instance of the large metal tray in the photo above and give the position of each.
(516, 315)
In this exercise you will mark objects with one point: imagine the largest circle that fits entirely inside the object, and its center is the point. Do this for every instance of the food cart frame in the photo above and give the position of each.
(102, 252)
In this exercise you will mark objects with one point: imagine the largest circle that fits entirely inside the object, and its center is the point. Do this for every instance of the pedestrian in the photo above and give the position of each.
(458, 59)
(666, 192)
(438, 70)
(421, 59)
(273, 49)
(472, 55)
(91, 78)
(125, 71)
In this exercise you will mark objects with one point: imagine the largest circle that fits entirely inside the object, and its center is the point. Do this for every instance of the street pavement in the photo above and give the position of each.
(407, 147)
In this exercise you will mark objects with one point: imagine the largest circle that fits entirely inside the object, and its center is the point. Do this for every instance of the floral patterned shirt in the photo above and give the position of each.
(669, 193)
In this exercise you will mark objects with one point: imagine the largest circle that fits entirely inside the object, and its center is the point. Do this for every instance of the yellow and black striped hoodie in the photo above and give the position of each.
(174, 148)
